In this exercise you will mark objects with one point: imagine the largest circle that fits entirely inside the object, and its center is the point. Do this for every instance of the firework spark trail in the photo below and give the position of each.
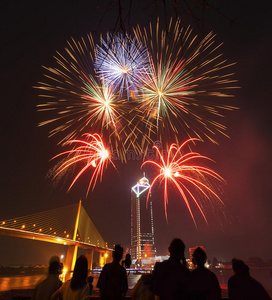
(92, 152)
(121, 61)
(77, 102)
(177, 90)
(180, 170)
(185, 89)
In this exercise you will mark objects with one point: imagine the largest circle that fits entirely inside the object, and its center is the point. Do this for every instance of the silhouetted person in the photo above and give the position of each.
(172, 279)
(242, 286)
(205, 282)
(76, 288)
(127, 261)
(90, 282)
(144, 288)
(112, 282)
(45, 289)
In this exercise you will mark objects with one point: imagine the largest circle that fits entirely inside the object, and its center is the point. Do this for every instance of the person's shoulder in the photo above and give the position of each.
(157, 264)
(115, 264)
(106, 266)
(256, 289)
(122, 269)
(205, 271)
(164, 263)
(210, 274)
(255, 282)
(161, 265)
(105, 269)
(231, 282)
(195, 272)
(240, 280)
(185, 270)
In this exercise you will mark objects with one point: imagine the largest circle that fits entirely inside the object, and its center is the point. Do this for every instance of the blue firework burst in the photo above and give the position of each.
(121, 61)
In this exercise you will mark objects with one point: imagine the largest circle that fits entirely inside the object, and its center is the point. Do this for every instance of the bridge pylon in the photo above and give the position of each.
(68, 225)
(72, 249)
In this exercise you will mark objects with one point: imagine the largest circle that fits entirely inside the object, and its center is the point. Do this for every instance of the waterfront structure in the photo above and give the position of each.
(69, 225)
(142, 228)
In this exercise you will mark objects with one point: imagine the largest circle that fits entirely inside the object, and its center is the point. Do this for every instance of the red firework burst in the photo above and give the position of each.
(179, 168)
(92, 152)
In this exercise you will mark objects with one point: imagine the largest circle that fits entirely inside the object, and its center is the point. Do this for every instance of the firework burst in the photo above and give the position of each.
(177, 86)
(121, 62)
(179, 169)
(77, 102)
(91, 152)
(185, 91)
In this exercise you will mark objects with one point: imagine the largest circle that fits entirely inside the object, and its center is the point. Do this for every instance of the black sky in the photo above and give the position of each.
(30, 35)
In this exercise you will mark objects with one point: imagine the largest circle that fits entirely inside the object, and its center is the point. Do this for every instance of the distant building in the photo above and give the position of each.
(255, 262)
(224, 265)
(142, 228)
(38, 266)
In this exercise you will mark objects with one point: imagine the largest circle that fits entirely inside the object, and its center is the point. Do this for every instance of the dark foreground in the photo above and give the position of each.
(27, 295)
(21, 287)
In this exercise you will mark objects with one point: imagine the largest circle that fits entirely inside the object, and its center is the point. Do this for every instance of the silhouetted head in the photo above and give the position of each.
(79, 278)
(199, 257)
(55, 267)
(117, 253)
(176, 249)
(127, 261)
(239, 267)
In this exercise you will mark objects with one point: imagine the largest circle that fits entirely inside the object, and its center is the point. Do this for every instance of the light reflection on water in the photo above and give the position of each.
(30, 281)
(20, 282)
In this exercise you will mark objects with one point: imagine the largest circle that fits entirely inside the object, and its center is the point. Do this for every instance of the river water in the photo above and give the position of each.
(264, 276)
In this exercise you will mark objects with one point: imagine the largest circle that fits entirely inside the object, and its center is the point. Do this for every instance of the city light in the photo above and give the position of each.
(141, 186)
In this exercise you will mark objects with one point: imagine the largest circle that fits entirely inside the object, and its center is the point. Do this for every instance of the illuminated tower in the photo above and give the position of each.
(142, 229)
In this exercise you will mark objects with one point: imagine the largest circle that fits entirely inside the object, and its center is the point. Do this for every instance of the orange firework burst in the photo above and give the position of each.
(187, 88)
(177, 85)
(179, 169)
(92, 152)
(77, 101)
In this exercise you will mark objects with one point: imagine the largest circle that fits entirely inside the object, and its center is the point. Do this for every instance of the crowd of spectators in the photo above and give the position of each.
(170, 280)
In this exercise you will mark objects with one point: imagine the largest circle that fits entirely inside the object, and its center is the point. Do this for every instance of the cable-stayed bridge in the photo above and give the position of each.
(69, 225)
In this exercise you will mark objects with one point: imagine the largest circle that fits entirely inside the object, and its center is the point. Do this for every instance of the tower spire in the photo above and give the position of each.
(142, 230)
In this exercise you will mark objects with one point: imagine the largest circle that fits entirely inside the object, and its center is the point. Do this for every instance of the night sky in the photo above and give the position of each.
(30, 36)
